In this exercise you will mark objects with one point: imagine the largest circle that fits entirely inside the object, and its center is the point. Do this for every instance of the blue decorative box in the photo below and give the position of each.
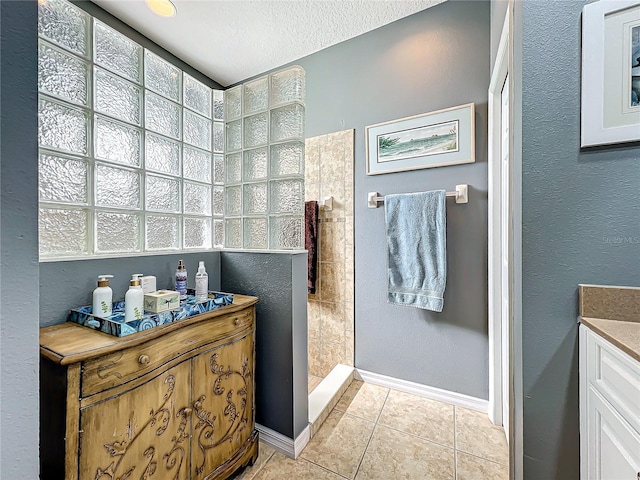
(115, 324)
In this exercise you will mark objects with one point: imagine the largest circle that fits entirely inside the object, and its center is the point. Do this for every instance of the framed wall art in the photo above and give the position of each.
(435, 139)
(610, 106)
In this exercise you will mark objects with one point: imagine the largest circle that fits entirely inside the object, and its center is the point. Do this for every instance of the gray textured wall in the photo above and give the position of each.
(300, 367)
(434, 59)
(578, 209)
(19, 240)
(279, 280)
(64, 285)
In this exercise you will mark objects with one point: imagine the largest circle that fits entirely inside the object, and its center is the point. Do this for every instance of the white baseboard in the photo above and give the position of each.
(433, 393)
(283, 444)
(301, 441)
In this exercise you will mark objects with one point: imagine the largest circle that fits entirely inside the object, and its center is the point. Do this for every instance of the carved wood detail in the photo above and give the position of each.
(156, 425)
(184, 414)
(105, 370)
(225, 409)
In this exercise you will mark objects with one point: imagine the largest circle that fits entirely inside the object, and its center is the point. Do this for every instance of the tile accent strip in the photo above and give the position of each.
(332, 220)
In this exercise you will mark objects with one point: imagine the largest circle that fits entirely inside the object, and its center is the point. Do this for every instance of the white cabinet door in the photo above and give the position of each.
(616, 376)
(614, 447)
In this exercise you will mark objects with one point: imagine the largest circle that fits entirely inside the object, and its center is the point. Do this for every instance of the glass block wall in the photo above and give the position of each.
(264, 162)
(131, 147)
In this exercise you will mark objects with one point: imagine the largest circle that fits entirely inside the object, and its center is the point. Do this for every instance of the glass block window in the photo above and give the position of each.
(264, 163)
(131, 148)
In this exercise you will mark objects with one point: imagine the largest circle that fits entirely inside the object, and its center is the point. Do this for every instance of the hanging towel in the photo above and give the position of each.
(417, 249)
(311, 242)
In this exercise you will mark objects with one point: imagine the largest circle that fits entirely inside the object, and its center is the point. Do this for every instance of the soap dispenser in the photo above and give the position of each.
(134, 299)
(103, 297)
(202, 283)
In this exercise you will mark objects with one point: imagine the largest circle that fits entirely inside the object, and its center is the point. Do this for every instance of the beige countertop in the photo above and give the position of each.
(624, 335)
(614, 314)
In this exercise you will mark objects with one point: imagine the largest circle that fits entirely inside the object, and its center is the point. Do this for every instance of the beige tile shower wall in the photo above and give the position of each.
(329, 172)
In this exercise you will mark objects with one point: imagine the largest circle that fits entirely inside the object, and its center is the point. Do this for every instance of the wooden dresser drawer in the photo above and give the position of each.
(616, 376)
(117, 368)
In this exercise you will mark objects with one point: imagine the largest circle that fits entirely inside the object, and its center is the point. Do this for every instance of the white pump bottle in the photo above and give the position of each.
(134, 299)
(202, 283)
(103, 297)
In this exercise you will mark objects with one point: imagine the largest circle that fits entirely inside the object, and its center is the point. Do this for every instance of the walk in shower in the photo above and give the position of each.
(329, 161)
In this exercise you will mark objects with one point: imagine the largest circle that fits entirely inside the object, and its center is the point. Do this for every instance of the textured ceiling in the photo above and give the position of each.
(232, 40)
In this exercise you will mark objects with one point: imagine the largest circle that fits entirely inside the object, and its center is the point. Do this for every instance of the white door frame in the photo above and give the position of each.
(496, 360)
(509, 61)
(516, 387)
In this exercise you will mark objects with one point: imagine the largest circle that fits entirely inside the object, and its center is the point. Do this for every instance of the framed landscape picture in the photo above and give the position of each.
(610, 105)
(435, 139)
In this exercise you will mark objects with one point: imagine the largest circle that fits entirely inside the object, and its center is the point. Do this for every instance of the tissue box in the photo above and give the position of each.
(148, 284)
(161, 301)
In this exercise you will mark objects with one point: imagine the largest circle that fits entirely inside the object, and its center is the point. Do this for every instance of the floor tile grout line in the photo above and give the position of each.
(455, 429)
(340, 474)
(322, 467)
(355, 416)
(262, 466)
(384, 404)
(364, 453)
(475, 455)
(343, 410)
(455, 445)
(455, 464)
(268, 459)
(466, 452)
(415, 436)
(365, 449)
(375, 424)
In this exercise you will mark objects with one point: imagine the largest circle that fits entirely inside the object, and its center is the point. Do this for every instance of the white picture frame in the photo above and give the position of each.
(608, 77)
(434, 139)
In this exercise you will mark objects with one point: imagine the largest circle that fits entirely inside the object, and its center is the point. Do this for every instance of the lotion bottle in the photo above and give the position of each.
(103, 297)
(181, 280)
(202, 283)
(134, 299)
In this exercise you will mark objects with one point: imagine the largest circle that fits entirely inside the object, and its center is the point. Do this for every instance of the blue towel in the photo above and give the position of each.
(417, 244)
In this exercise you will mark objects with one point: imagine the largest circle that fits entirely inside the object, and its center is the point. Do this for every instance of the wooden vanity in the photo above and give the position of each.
(172, 402)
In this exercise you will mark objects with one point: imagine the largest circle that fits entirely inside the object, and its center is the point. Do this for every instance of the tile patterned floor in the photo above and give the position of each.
(375, 433)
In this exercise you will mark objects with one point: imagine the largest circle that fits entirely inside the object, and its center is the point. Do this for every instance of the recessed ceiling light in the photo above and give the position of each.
(164, 8)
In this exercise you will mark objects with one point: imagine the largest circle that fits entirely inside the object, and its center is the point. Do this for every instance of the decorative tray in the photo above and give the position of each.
(115, 324)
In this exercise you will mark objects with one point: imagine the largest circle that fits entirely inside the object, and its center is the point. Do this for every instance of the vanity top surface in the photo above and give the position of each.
(624, 335)
(613, 313)
(68, 342)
